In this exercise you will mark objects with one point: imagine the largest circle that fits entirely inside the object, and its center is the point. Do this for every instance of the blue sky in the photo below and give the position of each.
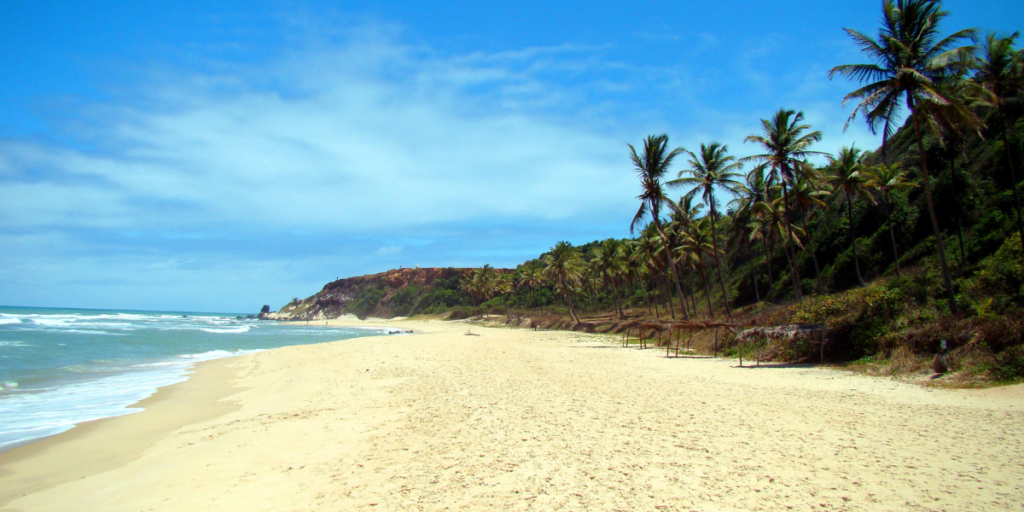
(217, 156)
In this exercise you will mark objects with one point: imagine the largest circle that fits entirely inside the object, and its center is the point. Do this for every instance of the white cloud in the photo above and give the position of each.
(374, 135)
(388, 250)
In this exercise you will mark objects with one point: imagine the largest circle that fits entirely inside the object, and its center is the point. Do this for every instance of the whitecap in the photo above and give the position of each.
(228, 330)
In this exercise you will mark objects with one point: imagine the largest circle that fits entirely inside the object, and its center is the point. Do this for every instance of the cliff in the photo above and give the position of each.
(397, 292)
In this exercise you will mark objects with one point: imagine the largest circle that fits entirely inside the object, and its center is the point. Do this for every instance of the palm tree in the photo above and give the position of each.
(636, 267)
(651, 167)
(713, 169)
(747, 221)
(564, 267)
(910, 64)
(848, 179)
(773, 224)
(786, 146)
(684, 214)
(479, 284)
(609, 261)
(1000, 70)
(807, 193)
(888, 179)
(698, 241)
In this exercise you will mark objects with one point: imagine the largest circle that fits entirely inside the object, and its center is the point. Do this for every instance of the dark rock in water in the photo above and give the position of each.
(250, 317)
(266, 309)
(940, 365)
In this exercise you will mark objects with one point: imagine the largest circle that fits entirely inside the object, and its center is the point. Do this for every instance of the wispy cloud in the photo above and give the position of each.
(367, 136)
(332, 158)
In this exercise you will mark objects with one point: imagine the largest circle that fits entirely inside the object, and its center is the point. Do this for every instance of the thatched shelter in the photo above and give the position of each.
(812, 332)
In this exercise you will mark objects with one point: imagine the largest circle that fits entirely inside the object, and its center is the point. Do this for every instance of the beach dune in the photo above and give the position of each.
(524, 420)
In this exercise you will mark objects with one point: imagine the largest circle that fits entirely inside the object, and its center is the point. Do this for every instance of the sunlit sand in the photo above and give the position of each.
(525, 420)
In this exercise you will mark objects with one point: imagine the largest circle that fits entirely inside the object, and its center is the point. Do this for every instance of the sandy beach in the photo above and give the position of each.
(524, 420)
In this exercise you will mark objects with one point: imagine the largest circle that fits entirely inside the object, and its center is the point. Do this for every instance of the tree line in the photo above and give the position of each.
(792, 228)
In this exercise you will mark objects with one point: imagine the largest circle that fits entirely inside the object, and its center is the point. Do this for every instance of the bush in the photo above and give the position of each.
(366, 303)
(996, 286)
(1009, 365)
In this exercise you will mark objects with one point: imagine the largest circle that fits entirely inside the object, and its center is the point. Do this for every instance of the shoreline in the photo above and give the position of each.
(525, 420)
(192, 400)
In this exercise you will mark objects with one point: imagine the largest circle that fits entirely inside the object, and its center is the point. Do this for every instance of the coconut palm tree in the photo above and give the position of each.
(683, 215)
(713, 169)
(808, 191)
(479, 284)
(698, 241)
(773, 224)
(651, 166)
(748, 222)
(647, 246)
(636, 267)
(887, 179)
(848, 179)
(911, 64)
(564, 267)
(609, 261)
(999, 69)
(786, 142)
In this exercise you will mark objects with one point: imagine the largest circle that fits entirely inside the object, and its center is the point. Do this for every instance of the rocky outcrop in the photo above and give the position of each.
(336, 297)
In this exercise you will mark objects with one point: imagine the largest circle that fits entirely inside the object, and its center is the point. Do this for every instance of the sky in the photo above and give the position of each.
(221, 155)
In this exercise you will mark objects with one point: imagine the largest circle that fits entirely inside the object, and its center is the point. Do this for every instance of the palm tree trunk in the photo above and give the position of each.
(768, 260)
(892, 235)
(572, 312)
(682, 301)
(671, 267)
(931, 212)
(618, 301)
(753, 277)
(718, 265)
(795, 271)
(693, 295)
(963, 255)
(814, 257)
(789, 258)
(707, 287)
(671, 306)
(1013, 173)
(853, 238)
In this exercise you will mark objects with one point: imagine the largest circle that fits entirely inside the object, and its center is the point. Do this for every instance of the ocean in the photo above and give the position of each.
(61, 367)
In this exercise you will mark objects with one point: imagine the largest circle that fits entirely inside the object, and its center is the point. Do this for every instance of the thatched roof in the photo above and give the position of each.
(682, 324)
(792, 331)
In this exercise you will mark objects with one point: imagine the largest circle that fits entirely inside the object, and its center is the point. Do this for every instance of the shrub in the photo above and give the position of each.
(1009, 364)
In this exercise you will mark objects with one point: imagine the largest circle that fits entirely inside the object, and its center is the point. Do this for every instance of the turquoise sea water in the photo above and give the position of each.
(60, 367)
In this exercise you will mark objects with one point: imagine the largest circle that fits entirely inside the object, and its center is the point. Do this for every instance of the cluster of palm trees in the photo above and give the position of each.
(943, 83)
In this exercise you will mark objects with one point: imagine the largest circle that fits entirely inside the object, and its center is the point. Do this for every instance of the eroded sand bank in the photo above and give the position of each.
(523, 420)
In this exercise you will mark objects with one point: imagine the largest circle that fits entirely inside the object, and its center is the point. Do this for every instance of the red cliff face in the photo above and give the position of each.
(333, 300)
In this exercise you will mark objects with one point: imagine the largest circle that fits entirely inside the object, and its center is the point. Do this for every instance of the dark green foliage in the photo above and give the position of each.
(367, 301)
(1009, 364)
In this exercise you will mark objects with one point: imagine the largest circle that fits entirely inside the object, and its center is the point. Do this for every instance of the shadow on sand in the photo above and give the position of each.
(776, 365)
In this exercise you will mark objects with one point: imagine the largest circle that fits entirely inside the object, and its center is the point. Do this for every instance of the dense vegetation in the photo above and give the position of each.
(893, 249)
(931, 219)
